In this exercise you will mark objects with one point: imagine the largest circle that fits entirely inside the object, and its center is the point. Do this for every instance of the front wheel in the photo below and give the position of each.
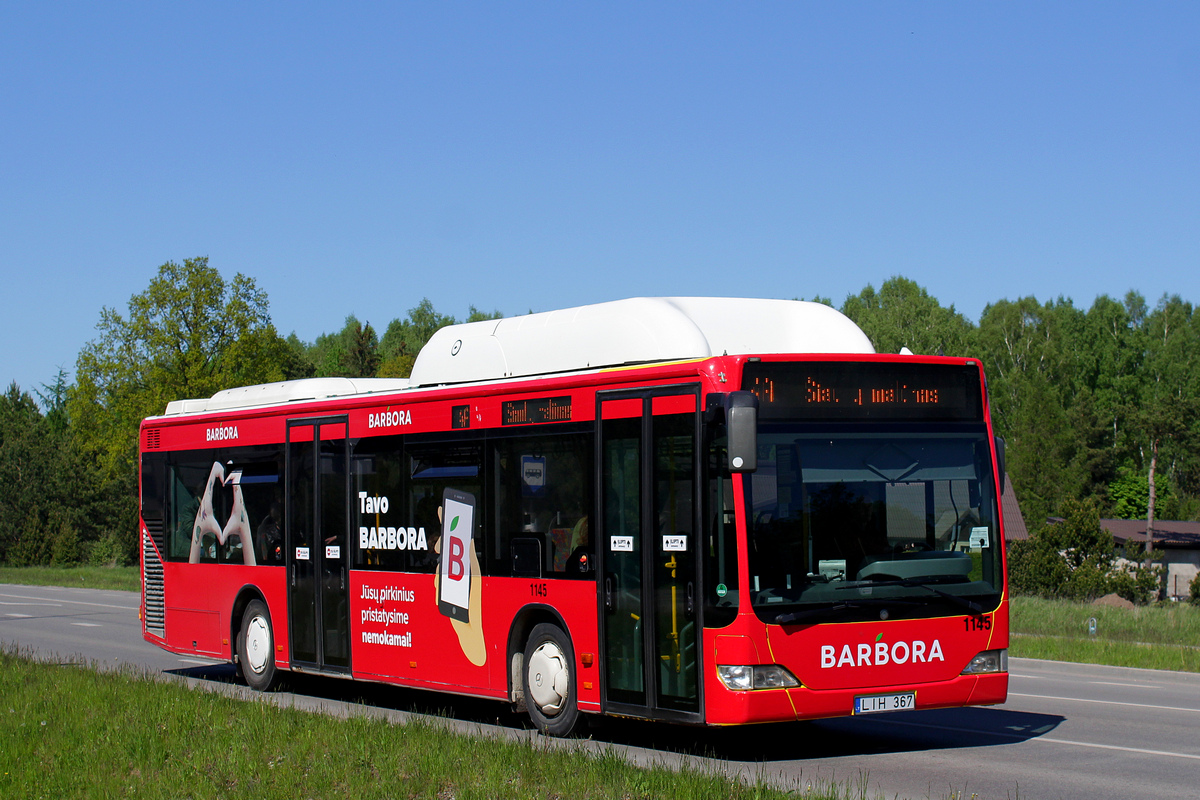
(256, 647)
(549, 677)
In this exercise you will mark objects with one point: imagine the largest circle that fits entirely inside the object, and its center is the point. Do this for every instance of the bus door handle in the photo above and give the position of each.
(691, 599)
(608, 592)
(293, 574)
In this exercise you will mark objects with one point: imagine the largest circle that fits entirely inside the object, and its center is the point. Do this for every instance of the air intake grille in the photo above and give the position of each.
(154, 527)
(152, 588)
(152, 439)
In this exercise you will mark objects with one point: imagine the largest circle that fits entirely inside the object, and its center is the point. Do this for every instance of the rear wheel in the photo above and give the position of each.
(256, 647)
(549, 677)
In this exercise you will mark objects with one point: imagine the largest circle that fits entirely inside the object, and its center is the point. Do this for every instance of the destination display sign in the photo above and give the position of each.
(530, 412)
(880, 391)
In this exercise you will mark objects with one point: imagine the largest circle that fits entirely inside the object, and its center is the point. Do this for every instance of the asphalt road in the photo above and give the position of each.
(1067, 730)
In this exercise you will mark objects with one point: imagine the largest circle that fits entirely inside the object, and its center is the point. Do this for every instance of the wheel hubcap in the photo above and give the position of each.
(549, 678)
(258, 644)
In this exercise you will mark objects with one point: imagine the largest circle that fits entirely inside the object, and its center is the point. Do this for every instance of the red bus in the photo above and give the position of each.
(699, 510)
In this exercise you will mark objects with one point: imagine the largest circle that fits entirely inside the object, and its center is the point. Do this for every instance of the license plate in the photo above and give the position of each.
(885, 702)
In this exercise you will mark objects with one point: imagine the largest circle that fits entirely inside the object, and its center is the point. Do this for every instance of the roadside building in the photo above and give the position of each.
(1179, 543)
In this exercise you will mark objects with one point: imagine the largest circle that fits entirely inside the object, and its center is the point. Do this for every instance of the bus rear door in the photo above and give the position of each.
(317, 522)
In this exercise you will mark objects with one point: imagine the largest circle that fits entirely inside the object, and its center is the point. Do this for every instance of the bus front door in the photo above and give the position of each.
(649, 560)
(317, 522)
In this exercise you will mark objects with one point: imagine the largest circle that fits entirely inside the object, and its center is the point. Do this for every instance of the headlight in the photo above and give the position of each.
(764, 676)
(988, 661)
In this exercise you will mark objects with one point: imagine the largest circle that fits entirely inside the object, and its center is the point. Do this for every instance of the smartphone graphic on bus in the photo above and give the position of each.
(454, 569)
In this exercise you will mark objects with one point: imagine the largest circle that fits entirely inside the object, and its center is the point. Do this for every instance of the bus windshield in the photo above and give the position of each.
(857, 521)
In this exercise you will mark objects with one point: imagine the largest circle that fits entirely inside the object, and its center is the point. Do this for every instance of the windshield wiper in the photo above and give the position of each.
(970, 605)
(849, 605)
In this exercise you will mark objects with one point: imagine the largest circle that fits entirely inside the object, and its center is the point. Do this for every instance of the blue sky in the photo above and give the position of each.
(531, 156)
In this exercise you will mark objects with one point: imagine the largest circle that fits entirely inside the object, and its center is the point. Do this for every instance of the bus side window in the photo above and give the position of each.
(242, 482)
(186, 477)
(434, 467)
(379, 513)
(542, 487)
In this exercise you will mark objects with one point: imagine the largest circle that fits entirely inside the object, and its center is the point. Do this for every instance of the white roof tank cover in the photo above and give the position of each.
(632, 331)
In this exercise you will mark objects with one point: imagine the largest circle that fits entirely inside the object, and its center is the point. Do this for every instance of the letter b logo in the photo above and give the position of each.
(457, 569)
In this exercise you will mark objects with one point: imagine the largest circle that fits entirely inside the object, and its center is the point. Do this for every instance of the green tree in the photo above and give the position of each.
(404, 338)
(362, 357)
(1026, 348)
(476, 315)
(1091, 460)
(1104, 370)
(902, 314)
(45, 494)
(1039, 439)
(352, 352)
(26, 467)
(816, 298)
(188, 335)
(1136, 580)
(1110, 356)
(1129, 495)
(298, 362)
(1071, 558)
(1076, 559)
(1166, 417)
(1036, 569)
(54, 400)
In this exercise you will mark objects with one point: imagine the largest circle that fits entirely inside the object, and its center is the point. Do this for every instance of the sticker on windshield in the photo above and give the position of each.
(979, 538)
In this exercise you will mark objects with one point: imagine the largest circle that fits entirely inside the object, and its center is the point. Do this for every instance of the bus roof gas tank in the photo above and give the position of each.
(633, 331)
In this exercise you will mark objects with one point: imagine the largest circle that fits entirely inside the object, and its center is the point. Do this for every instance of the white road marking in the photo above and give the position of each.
(1035, 735)
(1130, 685)
(1143, 751)
(1103, 702)
(87, 624)
(21, 616)
(52, 605)
(207, 663)
(64, 600)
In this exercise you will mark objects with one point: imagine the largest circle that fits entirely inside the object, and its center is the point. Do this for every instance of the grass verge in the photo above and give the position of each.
(1149, 637)
(71, 731)
(127, 579)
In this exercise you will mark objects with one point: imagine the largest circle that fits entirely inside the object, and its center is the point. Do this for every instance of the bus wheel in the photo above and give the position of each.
(549, 677)
(256, 647)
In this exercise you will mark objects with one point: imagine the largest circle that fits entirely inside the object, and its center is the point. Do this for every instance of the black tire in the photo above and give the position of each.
(548, 675)
(256, 647)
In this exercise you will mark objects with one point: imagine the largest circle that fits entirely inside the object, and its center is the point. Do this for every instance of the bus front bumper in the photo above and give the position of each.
(726, 707)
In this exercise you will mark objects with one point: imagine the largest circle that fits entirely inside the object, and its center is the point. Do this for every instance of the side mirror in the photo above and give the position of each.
(741, 425)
